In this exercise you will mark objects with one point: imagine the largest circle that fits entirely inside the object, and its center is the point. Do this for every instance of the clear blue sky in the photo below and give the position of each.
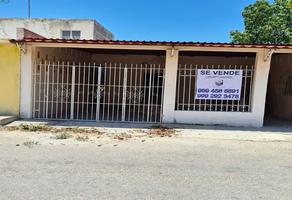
(164, 20)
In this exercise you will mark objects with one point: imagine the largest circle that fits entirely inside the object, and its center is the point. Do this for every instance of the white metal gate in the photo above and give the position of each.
(103, 92)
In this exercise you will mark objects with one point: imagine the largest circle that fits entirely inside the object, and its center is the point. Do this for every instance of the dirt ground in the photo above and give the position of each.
(119, 162)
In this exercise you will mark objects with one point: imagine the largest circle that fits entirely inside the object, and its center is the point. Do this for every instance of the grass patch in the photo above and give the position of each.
(30, 143)
(62, 136)
(81, 130)
(33, 128)
(82, 138)
(161, 131)
(123, 136)
(52, 129)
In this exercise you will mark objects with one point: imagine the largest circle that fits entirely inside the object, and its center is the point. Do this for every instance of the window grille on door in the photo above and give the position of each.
(186, 84)
(98, 92)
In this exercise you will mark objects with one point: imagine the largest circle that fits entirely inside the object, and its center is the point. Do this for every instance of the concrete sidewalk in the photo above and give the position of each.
(270, 128)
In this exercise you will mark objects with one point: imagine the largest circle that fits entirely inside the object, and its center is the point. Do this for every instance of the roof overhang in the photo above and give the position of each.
(152, 45)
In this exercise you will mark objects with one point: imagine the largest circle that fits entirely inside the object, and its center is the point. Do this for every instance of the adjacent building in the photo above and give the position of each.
(55, 28)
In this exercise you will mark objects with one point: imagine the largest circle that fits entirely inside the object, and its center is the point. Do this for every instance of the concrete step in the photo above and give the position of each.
(6, 120)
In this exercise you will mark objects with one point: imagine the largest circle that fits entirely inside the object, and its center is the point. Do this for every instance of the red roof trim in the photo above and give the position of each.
(156, 43)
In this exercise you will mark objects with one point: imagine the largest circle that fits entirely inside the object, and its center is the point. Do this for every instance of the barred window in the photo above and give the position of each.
(187, 80)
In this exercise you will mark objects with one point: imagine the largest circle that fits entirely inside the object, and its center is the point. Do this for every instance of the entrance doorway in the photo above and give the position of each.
(279, 92)
(122, 88)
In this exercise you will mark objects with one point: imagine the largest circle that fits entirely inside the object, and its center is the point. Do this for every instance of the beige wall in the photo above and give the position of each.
(279, 104)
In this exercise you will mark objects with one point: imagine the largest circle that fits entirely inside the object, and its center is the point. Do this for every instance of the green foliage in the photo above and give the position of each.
(82, 138)
(266, 23)
(63, 136)
(31, 127)
(30, 143)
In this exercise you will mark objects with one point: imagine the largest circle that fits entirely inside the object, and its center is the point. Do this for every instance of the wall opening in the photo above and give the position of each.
(98, 85)
(191, 62)
(279, 92)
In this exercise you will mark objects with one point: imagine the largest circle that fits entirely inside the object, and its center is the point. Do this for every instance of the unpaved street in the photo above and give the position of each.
(195, 164)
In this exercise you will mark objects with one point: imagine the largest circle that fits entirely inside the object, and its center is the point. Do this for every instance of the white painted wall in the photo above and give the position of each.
(171, 65)
(252, 119)
(170, 115)
(51, 28)
(218, 118)
(26, 71)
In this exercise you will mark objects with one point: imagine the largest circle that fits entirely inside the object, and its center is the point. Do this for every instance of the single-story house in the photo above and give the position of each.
(153, 82)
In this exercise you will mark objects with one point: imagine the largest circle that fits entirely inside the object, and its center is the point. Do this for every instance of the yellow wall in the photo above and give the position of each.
(9, 79)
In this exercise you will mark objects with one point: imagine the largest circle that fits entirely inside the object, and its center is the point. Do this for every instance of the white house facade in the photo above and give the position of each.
(146, 82)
